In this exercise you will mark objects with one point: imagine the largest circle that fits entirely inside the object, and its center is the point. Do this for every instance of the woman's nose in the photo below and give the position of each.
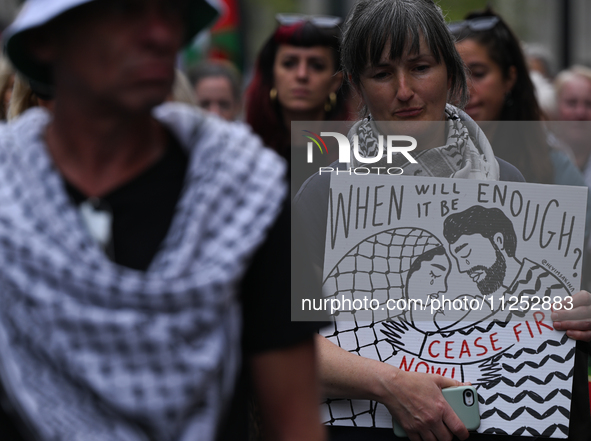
(471, 88)
(404, 92)
(302, 70)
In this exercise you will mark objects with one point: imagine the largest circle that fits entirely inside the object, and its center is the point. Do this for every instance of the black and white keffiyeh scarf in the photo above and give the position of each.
(466, 154)
(90, 350)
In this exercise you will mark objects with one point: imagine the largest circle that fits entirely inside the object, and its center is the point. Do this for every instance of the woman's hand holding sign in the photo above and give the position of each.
(577, 321)
(414, 399)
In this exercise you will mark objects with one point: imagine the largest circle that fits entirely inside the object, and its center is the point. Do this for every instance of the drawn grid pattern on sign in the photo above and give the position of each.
(381, 262)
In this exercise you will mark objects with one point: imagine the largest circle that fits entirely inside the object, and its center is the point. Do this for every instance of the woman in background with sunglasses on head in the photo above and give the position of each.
(501, 90)
(297, 78)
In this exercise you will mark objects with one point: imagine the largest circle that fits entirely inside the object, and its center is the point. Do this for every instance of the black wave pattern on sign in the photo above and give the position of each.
(475, 328)
(537, 285)
(531, 378)
(525, 394)
(548, 431)
(540, 348)
(533, 365)
(538, 416)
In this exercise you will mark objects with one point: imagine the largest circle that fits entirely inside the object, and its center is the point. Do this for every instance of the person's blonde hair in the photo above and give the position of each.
(6, 72)
(568, 74)
(182, 91)
(23, 98)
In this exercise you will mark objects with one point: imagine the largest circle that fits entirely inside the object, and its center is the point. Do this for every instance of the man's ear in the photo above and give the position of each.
(499, 241)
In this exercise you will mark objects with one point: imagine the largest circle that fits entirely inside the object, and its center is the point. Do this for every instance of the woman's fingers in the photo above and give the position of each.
(575, 316)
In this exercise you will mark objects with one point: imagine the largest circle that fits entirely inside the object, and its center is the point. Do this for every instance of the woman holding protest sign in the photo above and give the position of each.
(401, 59)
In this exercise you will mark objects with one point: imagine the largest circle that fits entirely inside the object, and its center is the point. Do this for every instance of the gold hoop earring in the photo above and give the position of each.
(332, 102)
(273, 94)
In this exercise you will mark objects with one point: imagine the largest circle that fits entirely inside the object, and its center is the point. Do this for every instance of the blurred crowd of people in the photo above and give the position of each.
(307, 70)
(298, 77)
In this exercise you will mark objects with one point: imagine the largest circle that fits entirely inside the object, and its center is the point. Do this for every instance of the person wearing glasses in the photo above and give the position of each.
(297, 78)
(401, 58)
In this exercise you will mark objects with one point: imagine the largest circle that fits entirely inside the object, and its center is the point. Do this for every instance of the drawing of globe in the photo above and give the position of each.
(376, 268)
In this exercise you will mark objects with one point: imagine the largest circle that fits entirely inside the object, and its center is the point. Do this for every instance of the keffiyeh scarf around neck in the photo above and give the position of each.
(90, 350)
(466, 154)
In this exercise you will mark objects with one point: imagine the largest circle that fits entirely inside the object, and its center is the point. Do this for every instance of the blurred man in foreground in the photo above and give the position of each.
(127, 233)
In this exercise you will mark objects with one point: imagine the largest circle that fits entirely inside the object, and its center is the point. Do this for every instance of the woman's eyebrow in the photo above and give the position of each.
(382, 63)
(476, 64)
(419, 57)
(460, 248)
(436, 265)
(316, 58)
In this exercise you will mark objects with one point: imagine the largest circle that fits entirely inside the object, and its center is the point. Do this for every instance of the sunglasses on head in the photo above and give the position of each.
(474, 24)
(321, 21)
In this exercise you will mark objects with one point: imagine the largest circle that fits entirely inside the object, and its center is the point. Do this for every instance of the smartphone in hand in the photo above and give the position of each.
(463, 400)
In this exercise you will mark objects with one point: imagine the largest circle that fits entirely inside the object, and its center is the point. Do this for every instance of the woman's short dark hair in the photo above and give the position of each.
(264, 115)
(484, 221)
(373, 25)
(427, 256)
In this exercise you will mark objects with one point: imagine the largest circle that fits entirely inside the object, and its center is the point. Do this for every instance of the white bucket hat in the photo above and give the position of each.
(36, 13)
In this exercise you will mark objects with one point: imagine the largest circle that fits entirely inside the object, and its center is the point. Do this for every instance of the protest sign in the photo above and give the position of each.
(458, 278)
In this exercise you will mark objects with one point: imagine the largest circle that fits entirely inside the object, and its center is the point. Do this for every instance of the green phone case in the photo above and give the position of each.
(470, 415)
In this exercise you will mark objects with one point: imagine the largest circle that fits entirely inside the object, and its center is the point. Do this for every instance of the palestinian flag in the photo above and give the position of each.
(223, 41)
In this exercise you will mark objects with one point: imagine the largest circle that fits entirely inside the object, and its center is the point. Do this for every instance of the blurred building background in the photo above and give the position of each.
(560, 26)
(8, 9)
